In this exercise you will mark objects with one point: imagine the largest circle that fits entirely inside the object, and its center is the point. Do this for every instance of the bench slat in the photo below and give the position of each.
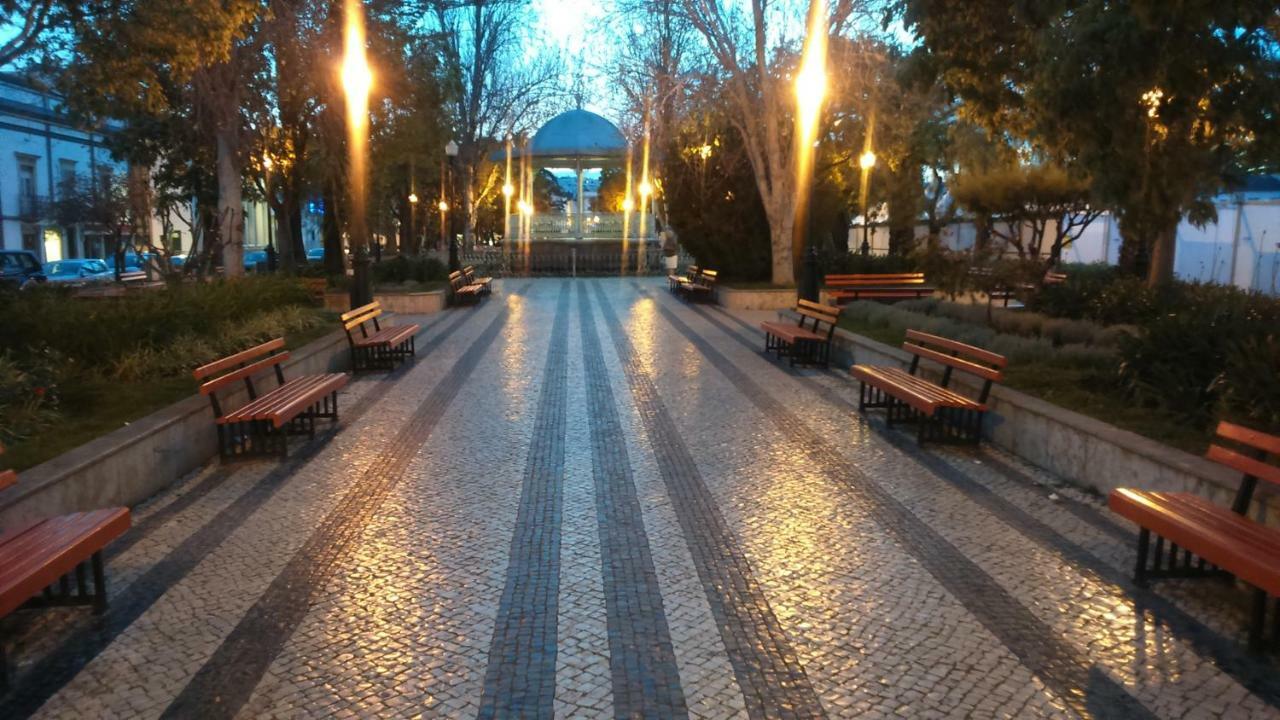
(244, 372)
(362, 310)
(51, 548)
(1246, 465)
(961, 364)
(1252, 438)
(948, 344)
(231, 361)
(1218, 541)
(7, 478)
(358, 321)
(260, 407)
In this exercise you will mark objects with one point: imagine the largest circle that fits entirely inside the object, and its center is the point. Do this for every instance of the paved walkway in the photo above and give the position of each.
(586, 499)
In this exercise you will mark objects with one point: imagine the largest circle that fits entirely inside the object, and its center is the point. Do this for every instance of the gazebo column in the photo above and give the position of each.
(577, 220)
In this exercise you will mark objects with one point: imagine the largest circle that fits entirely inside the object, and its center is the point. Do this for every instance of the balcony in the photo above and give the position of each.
(33, 208)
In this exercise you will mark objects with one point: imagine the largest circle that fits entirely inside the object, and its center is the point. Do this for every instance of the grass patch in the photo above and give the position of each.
(1083, 388)
(94, 404)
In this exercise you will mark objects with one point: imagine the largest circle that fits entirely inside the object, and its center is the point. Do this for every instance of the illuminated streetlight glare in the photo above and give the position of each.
(508, 189)
(413, 198)
(444, 206)
(867, 160)
(645, 189)
(267, 162)
(628, 204)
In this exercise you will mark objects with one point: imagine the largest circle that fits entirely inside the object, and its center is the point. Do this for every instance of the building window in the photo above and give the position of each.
(31, 240)
(66, 177)
(26, 189)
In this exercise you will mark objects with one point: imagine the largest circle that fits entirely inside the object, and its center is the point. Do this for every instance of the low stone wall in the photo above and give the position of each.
(405, 303)
(1077, 448)
(132, 463)
(756, 299)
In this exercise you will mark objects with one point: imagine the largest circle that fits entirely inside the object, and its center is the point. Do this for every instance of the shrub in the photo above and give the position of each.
(28, 394)
(848, 263)
(1249, 386)
(402, 269)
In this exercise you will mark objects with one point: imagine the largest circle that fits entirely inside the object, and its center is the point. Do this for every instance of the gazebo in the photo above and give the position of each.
(583, 141)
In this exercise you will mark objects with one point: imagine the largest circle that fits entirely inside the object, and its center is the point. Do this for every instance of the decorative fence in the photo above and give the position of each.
(569, 261)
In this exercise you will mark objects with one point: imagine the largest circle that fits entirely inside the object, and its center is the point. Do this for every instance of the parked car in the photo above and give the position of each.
(255, 260)
(78, 272)
(20, 268)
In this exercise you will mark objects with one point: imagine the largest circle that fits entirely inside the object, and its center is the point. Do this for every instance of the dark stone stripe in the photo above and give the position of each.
(87, 639)
(226, 681)
(520, 680)
(772, 680)
(646, 680)
(1066, 671)
(1227, 653)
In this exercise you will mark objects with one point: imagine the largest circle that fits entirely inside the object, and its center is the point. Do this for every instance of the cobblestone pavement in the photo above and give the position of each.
(588, 499)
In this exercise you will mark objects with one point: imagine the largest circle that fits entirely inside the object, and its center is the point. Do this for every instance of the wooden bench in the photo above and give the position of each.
(381, 347)
(806, 344)
(262, 425)
(674, 279)
(701, 287)
(940, 413)
(1004, 292)
(46, 563)
(1207, 540)
(885, 287)
(463, 291)
(485, 283)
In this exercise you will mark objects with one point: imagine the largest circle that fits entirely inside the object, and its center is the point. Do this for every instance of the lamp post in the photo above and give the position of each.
(811, 90)
(451, 152)
(413, 210)
(866, 161)
(357, 79)
(271, 245)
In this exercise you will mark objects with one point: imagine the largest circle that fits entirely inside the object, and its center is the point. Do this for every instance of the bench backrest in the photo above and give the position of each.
(469, 272)
(357, 317)
(707, 277)
(1250, 459)
(692, 271)
(820, 314)
(242, 366)
(456, 280)
(874, 279)
(955, 355)
(1054, 278)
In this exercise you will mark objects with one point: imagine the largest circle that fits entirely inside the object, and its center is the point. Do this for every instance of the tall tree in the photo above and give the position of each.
(754, 68)
(130, 60)
(1161, 103)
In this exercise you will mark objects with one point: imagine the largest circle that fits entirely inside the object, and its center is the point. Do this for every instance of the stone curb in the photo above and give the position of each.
(1083, 450)
(133, 462)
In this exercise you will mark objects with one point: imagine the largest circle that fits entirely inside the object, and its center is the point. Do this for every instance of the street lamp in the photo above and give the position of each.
(357, 79)
(451, 152)
(866, 161)
(811, 90)
(413, 210)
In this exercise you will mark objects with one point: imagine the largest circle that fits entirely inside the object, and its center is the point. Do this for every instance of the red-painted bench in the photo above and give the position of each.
(464, 291)
(381, 347)
(485, 283)
(806, 342)
(1206, 540)
(261, 426)
(701, 287)
(941, 413)
(46, 563)
(885, 287)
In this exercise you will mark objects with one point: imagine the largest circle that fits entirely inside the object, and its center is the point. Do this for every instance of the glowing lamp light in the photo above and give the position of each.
(524, 207)
(267, 162)
(444, 206)
(413, 198)
(867, 160)
(357, 78)
(628, 204)
(645, 188)
(508, 190)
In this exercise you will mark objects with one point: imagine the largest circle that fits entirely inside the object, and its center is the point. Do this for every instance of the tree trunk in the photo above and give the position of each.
(784, 271)
(333, 261)
(230, 203)
(1163, 251)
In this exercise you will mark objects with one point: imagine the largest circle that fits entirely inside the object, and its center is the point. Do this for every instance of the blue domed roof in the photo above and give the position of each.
(578, 134)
